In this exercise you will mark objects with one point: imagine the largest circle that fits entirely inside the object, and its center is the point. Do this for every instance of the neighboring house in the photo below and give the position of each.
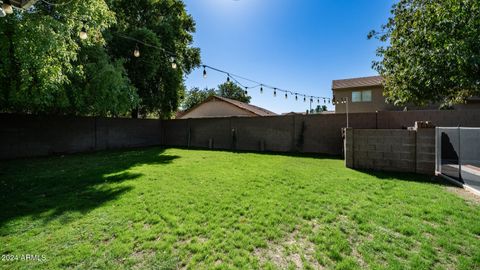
(366, 95)
(363, 94)
(216, 106)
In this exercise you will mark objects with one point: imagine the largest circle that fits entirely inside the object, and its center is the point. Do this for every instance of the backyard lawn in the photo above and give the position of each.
(168, 209)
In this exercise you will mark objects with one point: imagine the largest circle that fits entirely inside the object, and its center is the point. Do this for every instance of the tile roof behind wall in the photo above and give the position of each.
(248, 107)
(357, 82)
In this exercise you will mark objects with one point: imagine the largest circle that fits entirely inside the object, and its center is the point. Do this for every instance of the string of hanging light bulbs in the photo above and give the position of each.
(236, 78)
(7, 8)
(230, 76)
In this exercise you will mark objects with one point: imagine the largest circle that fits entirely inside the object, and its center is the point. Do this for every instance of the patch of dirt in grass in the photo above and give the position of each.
(182, 243)
(353, 241)
(149, 259)
(390, 232)
(465, 194)
(431, 224)
(294, 250)
(108, 240)
(142, 257)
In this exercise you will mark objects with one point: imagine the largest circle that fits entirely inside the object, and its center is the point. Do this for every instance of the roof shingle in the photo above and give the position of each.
(248, 107)
(357, 82)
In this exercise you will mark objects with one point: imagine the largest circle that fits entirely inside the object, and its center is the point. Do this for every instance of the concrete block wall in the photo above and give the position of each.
(31, 136)
(27, 135)
(391, 150)
(447, 118)
(425, 151)
(297, 133)
(323, 133)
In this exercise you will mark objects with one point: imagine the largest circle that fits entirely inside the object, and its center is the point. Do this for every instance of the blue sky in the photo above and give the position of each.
(299, 45)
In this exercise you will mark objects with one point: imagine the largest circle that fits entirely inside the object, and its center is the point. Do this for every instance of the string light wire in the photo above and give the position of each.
(235, 78)
(230, 75)
(56, 4)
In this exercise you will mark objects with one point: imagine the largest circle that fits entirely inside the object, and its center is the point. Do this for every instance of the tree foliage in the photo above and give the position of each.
(39, 59)
(319, 109)
(196, 96)
(46, 68)
(228, 90)
(163, 24)
(104, 89)
(233, 91)
(433, 53)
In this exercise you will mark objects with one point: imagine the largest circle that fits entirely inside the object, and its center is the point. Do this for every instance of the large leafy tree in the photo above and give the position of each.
(40, 66)
(104, 89)
(162, 30)
(233, 91)
(228, 90)
(433, 51)
(196, 96)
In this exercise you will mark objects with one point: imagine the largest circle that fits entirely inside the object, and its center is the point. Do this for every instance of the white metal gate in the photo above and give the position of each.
(458, 155)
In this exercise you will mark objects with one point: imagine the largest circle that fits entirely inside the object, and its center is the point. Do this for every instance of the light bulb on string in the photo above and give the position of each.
(7, 7)
(173, 62)
(296, 97)
(228, 78)
(246, 91)
(304, 98)
(261, 89)
(204, 72)
(275, 92)
(286, 96)
(83, 33)
(136, 52)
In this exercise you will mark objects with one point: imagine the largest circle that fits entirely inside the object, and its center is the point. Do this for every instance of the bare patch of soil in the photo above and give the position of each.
(294, 249)
(465, 194)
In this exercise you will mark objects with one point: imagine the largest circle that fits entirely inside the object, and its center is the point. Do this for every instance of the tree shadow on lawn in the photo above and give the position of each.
(46, 188)
(409, 177)
(266, 153)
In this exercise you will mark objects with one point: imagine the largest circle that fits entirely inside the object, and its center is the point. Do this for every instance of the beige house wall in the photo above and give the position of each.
(377, 104)
(216, 108)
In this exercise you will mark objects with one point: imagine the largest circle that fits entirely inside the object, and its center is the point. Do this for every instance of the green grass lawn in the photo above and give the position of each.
(169, 209)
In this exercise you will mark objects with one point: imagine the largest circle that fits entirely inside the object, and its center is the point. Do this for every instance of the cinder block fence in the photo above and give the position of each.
(30, 135)
(391, 149)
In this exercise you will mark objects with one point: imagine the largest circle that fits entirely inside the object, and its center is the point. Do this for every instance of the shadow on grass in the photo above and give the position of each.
(409, 177)
(46, 188)
(267, 153)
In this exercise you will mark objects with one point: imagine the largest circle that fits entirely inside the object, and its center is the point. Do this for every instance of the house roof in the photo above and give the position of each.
(247, 107)
(258, 111)
(357, 82)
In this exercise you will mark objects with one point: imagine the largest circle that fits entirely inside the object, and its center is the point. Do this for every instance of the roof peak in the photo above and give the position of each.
(245, 106)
